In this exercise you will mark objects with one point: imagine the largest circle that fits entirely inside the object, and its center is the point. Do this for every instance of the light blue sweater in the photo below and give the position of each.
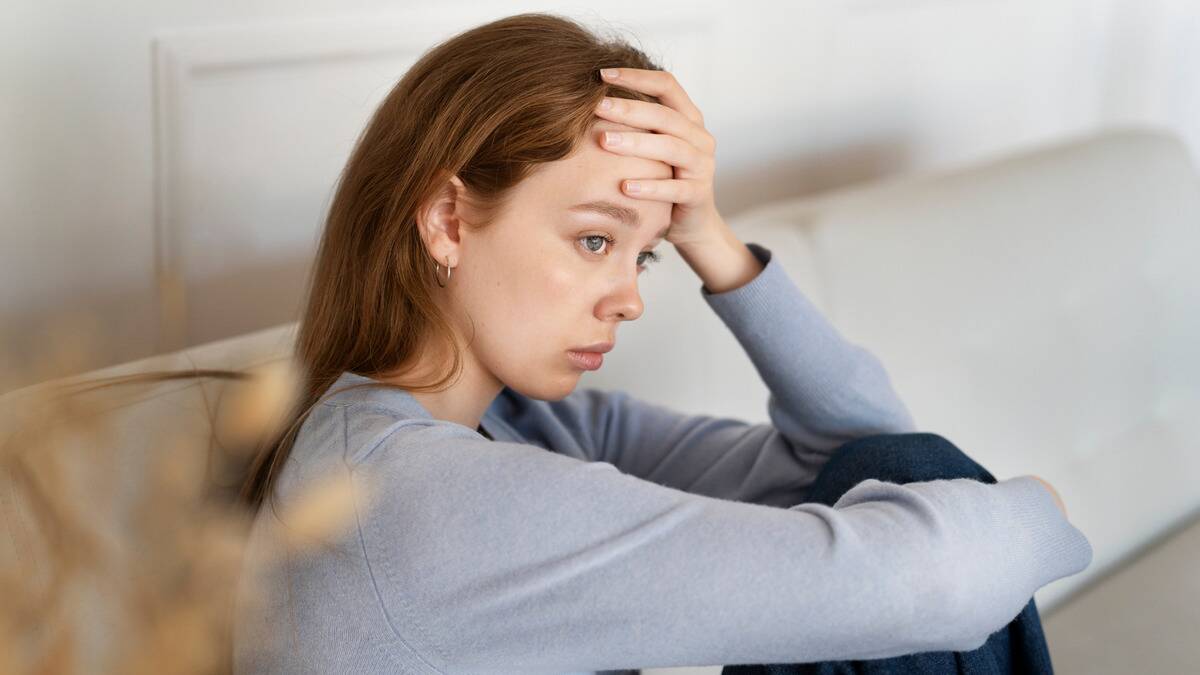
(603, 532)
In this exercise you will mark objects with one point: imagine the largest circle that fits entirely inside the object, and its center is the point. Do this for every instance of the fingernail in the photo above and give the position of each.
(609, 73)
(605, 104)
(612, 138)
(632, 186)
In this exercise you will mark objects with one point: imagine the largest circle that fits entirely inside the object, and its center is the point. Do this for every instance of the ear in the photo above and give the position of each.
(438, 222)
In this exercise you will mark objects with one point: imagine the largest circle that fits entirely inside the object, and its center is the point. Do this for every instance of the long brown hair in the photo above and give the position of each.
(487, 105)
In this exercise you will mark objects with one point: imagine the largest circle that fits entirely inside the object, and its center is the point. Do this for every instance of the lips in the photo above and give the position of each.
(586, 360)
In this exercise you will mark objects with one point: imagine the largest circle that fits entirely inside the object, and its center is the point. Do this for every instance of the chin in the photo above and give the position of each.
(547, 389)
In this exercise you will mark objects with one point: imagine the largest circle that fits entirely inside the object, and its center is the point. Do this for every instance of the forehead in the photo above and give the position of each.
(593, 173)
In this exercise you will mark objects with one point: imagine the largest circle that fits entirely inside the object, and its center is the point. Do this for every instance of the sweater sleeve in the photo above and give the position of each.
(824, 391)
(502, 557)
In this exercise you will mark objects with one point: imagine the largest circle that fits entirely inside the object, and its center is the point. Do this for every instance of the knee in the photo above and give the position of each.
(907, 458)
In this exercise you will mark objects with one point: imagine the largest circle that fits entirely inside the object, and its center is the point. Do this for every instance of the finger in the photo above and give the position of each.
(648, 115)
(663, 147)
(662, 189)
(659, 83)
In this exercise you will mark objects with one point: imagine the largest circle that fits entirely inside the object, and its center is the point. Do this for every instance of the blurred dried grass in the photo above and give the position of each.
(147, 584)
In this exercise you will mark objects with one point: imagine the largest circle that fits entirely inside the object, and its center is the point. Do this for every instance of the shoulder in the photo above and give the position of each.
(373, 434)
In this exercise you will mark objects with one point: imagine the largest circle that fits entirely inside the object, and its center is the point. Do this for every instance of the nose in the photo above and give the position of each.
(623, 303)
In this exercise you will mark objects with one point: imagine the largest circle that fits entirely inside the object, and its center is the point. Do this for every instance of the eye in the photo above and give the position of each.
(594, 243)
(596, 239)
(651, 256)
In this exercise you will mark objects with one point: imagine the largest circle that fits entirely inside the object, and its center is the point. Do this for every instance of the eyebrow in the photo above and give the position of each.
(623, 214)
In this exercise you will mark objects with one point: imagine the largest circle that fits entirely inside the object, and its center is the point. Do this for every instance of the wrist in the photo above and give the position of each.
(721, 260)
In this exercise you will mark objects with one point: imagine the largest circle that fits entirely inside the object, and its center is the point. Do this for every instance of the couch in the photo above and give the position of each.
(1041, 310)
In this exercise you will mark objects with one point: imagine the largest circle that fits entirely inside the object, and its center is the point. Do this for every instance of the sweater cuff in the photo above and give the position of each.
(755, 297)
(1056, 547)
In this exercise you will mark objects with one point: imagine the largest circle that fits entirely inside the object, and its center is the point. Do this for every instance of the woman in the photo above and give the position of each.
(481, 251)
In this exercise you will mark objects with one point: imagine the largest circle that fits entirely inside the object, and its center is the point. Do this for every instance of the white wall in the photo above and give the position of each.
(198, 141)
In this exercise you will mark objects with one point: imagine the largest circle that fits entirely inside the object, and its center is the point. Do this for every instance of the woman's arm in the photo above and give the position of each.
(503, 557)
(824, 392)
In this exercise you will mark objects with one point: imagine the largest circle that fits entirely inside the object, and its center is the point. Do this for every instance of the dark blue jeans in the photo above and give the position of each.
(1019, 647)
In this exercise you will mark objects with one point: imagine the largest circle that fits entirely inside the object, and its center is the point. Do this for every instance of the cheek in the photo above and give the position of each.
(568, 281)
(527, 295)
(547, 304)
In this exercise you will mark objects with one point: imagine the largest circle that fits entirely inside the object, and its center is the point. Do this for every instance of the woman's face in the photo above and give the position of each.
(542, 279)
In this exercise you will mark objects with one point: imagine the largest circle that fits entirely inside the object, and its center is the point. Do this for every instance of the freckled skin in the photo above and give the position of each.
(534, 290)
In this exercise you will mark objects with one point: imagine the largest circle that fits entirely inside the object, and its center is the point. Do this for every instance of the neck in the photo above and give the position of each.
(465, 400)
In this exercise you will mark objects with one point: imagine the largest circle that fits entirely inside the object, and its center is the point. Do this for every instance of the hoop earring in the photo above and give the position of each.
(438, 277)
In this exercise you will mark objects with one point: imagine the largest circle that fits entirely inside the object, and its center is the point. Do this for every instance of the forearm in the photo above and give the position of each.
(826, 389)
